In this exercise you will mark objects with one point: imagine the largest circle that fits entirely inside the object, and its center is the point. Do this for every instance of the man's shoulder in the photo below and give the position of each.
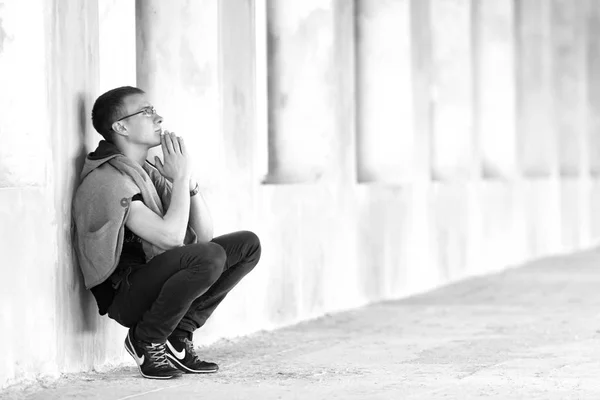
(105, 181)
(106, 173)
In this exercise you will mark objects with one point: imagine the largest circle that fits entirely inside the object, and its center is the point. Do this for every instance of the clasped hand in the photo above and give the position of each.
(177, 162)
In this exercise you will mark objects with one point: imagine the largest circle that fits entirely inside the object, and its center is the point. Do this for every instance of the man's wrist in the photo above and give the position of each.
(195, 191)
(193, 184)
(194, 187)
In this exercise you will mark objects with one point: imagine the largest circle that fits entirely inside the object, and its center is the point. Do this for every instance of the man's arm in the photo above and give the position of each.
(165, 232)
(200, 219)
(168, 231)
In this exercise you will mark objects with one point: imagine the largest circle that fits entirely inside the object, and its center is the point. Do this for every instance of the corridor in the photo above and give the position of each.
(378, 148)
(527, 333)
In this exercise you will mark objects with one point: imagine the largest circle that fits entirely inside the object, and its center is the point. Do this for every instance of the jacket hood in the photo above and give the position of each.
(103, 153)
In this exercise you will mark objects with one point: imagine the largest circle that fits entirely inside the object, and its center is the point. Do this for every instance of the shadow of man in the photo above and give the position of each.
(80, 303)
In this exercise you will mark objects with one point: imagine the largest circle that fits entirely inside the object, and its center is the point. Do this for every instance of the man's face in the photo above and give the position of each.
(142, 128)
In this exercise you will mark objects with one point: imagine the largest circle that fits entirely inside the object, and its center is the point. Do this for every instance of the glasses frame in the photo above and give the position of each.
(150, 109)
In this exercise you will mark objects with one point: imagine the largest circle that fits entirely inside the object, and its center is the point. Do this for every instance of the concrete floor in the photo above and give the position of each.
(528, 333)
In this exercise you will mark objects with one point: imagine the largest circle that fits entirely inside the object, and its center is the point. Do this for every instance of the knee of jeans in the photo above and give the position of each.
(210, 254)
(251, 238)
(215, 258)
(216, 254)
(216, 262)
(214, 272)
(255, 248)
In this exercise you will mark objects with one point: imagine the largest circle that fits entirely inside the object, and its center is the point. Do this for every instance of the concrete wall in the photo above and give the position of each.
(378, 148)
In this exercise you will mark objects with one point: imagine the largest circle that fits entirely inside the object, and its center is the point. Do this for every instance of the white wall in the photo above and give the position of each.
(329, 242)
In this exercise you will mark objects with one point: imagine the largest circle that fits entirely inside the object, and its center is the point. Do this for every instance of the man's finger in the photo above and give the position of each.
(159, 164)
(169, 143)
(175, 141)
(163, 144)
(182, 146)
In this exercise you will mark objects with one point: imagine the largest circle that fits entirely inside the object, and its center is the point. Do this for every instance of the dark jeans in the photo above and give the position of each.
(179, 289)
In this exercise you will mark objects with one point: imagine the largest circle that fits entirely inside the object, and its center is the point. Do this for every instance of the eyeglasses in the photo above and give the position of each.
(147, 111)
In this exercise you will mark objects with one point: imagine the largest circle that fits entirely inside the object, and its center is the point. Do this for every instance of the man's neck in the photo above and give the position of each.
(135, 153)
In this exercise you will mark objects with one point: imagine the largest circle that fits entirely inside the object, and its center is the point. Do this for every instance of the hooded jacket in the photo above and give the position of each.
(101, 206)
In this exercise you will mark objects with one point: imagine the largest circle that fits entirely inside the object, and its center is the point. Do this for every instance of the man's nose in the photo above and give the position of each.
(158, 119)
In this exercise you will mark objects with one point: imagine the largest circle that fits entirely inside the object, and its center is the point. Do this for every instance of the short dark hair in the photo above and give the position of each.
(109, 107)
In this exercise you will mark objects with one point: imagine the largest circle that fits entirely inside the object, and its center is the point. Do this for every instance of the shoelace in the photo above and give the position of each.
(189, 347)
(158, 354)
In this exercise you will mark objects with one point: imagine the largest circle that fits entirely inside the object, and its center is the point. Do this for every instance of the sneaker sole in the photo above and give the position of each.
(129, 350)
(182, 367)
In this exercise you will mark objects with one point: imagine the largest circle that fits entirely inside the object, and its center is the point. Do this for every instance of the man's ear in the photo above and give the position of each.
(119, 128)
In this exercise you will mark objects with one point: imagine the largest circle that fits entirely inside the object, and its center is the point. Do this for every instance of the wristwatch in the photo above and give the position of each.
(195, 191)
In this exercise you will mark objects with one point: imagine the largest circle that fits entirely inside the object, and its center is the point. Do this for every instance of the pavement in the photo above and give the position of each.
(527, 333)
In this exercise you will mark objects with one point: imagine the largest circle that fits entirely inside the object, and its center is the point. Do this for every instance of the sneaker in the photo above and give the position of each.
(151, 358)
(182, 354)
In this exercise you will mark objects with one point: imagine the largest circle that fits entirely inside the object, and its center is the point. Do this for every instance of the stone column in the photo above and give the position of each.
(73, 87)
(302, 84)
(345, 161)
(422, 79)
(569, 94)
(569, 83)
(238, 86)
(537, 145)
(593, 116)
(178, 67)
(28, 226)
(593, 89)
(261, 88)
(495, 86)
(452, 51)
(48, 80)
(386, 134)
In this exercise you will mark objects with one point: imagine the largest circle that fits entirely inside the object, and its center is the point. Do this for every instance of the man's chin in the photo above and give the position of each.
(158, 138)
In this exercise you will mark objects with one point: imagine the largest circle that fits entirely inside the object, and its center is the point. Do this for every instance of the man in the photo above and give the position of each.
(144, 238)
